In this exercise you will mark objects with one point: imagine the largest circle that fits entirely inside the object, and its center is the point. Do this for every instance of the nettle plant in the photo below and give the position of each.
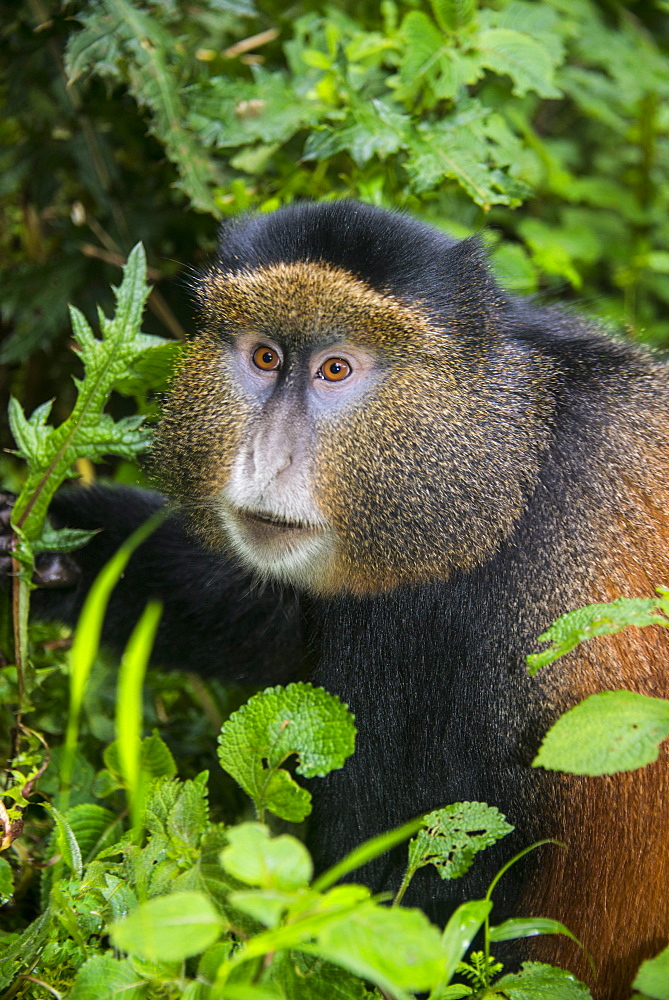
(147, 894)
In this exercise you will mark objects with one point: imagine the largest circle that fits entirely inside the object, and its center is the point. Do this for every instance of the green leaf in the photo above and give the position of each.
(103, 977)
(51, 452)
(267, 907)
(608, 732)
(367, 851)
(62, 539)
(87, 640)
(529, 63)
(169, 928)
(275, 725)
(254, 857)
(461, 929)
(653, 976)
(66, 841)
(453, 15)
(94, 828)
(596, 619)
(130, 708)
(452, 837)
(118, 39)
(6, 882)
(524, 927)
(396, 949)
(537, 981)
(300, 977)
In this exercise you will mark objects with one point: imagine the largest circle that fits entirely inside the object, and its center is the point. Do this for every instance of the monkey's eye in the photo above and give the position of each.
(334, 370)
(266, 359)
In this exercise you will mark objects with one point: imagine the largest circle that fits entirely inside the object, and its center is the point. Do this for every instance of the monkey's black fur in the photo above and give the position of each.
(435, 673)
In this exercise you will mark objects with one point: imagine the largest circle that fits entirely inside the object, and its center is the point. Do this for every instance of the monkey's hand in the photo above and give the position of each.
(53, 570)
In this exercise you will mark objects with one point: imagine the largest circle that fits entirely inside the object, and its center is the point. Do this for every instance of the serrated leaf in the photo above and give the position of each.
(255, 858)
(423, 45)
(66, 841)
(94, 828)
(155, 758)
(88, 432)
(104, 977)
(452, 836)
(607, 732)
(653, 976)
(21, 952)
(537, 981)
(120, 40)
(441, 157)
(530, 64)
(61, 539)
(189, 817)
(453, 15)
(273, 726)
(169, 928)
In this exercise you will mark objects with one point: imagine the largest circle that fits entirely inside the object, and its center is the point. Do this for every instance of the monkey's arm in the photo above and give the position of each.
(215, 619)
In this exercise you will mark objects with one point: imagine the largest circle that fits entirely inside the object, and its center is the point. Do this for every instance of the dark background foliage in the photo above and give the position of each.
(543, 125)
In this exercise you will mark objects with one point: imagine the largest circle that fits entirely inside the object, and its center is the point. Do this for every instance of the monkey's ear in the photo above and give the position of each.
(471, 298)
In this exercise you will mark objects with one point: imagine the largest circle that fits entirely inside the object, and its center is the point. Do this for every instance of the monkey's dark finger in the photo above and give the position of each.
(55, 570)
(6, 542)
(5, 569)
(6, 504)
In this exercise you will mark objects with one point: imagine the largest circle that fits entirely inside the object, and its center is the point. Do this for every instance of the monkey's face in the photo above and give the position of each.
(334, 438)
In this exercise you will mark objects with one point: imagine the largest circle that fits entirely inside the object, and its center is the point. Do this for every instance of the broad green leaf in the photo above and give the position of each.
(255, 858)
(461, 929)
(396, 949)
(104, 977)
(537, 981)
(169, 928)
(276, 724)
(6, 881)
(653, 976)
(266, 906)
(597, 619)
(608, 732)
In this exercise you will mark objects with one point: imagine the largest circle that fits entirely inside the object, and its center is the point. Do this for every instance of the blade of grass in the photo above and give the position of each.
(87, 640)
(129, 706)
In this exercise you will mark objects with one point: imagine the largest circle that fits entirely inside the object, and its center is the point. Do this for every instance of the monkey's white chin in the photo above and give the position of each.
(295, 552)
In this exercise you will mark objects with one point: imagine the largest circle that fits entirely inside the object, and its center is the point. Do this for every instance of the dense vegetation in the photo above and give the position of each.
(126, 120)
